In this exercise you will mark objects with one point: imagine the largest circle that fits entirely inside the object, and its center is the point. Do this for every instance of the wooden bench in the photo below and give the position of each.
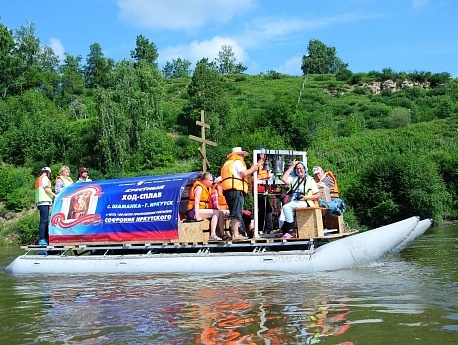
(194, 231)
(316, 222)
(198, 231)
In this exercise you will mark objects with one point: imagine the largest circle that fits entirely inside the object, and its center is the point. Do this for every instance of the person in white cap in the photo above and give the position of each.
(43, 199)
(326, 179)
(234, 181)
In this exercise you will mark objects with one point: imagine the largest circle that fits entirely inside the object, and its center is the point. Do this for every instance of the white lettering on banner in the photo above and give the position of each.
(151, 195)
(119, 220)
(134, 197)
(126, 206)
(130, 197)
(153, 218)
(159, 203)
(144, 189)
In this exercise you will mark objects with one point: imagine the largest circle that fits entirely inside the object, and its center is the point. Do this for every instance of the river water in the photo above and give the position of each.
(407, 298)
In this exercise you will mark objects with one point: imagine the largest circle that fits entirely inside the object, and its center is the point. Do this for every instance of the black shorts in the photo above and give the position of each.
(235, 200)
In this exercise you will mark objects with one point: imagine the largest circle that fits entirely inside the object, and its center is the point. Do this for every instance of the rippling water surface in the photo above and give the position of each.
(409, 298)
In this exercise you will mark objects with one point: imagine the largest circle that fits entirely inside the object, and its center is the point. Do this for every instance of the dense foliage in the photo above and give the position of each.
(390, 138)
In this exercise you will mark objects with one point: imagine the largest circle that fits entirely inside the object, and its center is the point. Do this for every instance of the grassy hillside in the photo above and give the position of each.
(369, 140)
(344, 126)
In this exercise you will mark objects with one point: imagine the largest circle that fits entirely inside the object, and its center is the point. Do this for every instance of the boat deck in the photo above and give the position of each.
(260, 244)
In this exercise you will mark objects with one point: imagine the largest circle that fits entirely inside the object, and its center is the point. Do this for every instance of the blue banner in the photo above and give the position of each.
(136, 209)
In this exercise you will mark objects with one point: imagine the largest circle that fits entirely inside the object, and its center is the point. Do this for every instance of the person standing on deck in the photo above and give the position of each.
(63, 179)
(83, 175)
(234, 176)
(43, 199)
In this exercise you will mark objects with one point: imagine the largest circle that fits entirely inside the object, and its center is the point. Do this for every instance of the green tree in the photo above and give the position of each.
(157, 149)
(24, 72)
(49, 78)
(394, 187)
(205, 92)
(8, 61)
(28, 130)
(144, 51)
(321, 59)
(126, 110)
(97, 68)
(113, 141)
(72, 78)
(227, 62)
(178, 68)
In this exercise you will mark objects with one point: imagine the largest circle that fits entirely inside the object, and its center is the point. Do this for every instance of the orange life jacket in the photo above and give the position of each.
(263, 175)
(334, 190)
(222, 203)
(228, 180)
(204, 198)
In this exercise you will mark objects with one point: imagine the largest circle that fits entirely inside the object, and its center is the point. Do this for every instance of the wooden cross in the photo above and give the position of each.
(203, 148)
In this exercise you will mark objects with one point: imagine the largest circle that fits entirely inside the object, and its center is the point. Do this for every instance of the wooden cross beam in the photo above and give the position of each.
(205, 142)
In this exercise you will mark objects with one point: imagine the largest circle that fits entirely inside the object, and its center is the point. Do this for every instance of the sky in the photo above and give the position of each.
(265, 35)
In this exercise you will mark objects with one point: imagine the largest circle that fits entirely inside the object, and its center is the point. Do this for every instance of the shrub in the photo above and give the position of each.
(273, 74)
(12, 178)
(27, 228)
(24, 230)
(19, 199)
(395, 187)
(399, 118)
(344, 75)
(187, 148)
(360, 90)
(157, 149)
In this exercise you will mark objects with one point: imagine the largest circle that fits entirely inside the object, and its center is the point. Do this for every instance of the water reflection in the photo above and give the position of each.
(406, 298)
(200, 310)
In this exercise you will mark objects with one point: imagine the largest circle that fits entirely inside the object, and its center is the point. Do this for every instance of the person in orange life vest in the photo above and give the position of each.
(234, 175)
(199, 205)
(264, 203)
(63, 179)
(304, 194)
(326, 179)
(218, 201)
(43, 199)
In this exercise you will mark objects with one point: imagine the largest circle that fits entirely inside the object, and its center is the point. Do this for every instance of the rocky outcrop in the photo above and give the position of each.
(377, 87)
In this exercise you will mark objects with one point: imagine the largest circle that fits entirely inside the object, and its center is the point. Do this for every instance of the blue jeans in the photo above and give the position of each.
(44, 218)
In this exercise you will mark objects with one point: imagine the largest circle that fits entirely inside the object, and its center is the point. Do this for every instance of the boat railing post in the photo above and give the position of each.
(255, 195)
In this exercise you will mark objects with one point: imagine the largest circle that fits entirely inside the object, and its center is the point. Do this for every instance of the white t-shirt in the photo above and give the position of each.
(310, 182)
(237, 168)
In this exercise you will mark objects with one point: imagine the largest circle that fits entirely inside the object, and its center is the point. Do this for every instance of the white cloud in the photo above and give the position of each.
(416, 4)
(270, 29)
(58, 48)
(179, 14)
(291, 66)
(204, 49)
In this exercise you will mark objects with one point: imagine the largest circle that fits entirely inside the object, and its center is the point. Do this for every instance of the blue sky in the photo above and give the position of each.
(404, 35)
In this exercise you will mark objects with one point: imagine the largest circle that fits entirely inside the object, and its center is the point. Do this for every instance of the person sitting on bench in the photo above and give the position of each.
(199, 206)
(303, 192)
